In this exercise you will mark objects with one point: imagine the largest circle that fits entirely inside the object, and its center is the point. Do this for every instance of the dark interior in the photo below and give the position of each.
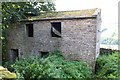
(43, 54)
(15, 54)
(57, 26)
(29, 30)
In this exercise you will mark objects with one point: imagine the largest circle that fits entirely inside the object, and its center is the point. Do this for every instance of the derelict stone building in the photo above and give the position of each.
(74, 33)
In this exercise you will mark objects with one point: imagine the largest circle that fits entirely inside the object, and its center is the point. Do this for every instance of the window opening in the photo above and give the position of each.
(29, 29)
(56, 29)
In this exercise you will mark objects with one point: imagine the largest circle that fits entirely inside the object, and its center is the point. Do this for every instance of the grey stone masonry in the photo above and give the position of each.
(78, 38)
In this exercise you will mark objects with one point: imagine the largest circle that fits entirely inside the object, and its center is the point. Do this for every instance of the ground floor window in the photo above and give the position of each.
(14, 54)
(43, 53)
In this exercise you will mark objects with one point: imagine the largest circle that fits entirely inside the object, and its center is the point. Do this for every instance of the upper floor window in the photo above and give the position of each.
(56, 29)
(29, 30)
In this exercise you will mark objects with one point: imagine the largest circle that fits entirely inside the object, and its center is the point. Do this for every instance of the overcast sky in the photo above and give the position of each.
(109, 9)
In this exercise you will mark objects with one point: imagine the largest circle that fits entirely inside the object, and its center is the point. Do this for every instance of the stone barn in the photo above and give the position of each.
(74, 33)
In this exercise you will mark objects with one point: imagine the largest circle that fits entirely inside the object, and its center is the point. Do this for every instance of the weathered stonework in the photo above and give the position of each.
(79, 39)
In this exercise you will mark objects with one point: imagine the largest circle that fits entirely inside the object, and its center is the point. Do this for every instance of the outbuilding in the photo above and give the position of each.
(75, 33)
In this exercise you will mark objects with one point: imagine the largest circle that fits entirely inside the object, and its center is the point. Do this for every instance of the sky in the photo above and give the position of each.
(109, 11)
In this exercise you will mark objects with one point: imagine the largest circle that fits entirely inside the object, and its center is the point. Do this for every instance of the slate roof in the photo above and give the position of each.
(88, 13)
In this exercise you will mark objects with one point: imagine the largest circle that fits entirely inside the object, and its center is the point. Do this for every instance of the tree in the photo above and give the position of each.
(14, 11)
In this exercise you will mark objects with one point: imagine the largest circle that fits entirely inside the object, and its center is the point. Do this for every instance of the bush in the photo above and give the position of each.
(52, 66)
(8, 65)
(107, 66)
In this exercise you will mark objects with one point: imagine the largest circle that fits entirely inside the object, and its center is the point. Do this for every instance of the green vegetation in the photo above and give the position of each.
(107, 66)
(55, 66)
(14, 11)
(51, 66)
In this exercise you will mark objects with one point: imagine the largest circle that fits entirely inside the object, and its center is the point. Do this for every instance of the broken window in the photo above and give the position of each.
(14, 54)
(43, 54)
(29, 29)
(56, 29)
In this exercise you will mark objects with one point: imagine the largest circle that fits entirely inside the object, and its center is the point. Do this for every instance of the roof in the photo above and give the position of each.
(88, 13)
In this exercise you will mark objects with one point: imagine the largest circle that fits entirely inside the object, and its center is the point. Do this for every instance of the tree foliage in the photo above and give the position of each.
(14, 11)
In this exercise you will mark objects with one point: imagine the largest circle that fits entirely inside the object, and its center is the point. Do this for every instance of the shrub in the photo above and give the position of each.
(107, 66)
(8, 65)
(52, 66)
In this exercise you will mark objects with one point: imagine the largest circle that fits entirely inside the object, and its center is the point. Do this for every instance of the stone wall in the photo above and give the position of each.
(78, 41)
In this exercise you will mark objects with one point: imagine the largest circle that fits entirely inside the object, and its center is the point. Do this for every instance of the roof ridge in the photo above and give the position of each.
(71, 10)
(76, 10)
